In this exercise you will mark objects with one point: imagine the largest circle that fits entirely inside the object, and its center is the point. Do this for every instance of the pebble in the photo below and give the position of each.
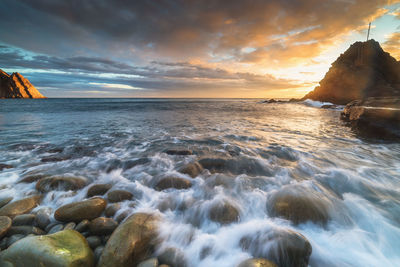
(25, 230)
(70, 226)
(112, 209)
(5, 225)
(102, 226)
(93, 241)
(24, 219)
(97, 252)
(82, 226)
(119, 195)
(56, 228)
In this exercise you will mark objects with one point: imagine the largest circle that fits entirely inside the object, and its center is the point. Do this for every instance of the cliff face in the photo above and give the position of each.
(16, 86)
(363, 71)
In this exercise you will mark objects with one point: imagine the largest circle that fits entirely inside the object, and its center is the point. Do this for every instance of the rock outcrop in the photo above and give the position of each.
(363, 71)
(374, 117)
(16, 86)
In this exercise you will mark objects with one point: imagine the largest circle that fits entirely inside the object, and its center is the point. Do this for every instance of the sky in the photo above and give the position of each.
(186, 48)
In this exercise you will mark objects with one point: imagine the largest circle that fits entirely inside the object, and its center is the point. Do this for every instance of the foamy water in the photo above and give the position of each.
(267, 147)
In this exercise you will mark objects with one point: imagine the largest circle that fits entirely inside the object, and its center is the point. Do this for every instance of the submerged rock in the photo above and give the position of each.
(300, 204)
(102, 226)
(173, 257)
(119, 195)
(48, 184)
(374, 117)
(132, 242)
(98, 190)
(63, 249)
(178, 152)
(5, 225)
(5, 166)
(257, 263)
(173, 182)
(192, 169)
(224, 213)
(284, 247)
(78, 211)
(18, 207)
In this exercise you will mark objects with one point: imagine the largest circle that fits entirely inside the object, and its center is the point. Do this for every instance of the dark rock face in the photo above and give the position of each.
(364, 70)
(374, 117)
(16, 86)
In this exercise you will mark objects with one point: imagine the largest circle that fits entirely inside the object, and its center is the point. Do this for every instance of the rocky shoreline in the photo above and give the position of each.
(94, 231)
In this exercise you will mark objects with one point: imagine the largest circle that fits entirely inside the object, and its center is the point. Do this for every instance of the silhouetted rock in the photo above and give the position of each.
(374, 117)
(16, 86)
(364, 70)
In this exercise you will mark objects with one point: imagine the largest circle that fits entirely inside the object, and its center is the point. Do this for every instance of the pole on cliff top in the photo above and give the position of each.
(369, 28)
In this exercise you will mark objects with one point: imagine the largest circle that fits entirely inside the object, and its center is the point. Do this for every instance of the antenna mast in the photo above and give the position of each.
(369, 28)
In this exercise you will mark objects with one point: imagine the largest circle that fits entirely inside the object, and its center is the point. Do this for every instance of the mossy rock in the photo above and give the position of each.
(67, 248)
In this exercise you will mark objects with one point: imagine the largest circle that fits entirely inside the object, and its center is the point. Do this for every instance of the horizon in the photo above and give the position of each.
(180, 50)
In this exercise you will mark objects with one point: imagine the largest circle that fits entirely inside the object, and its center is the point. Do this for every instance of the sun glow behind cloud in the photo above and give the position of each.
(213, 49)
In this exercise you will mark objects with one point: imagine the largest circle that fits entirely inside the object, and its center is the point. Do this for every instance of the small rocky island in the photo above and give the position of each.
(367, 79)
(17, 86)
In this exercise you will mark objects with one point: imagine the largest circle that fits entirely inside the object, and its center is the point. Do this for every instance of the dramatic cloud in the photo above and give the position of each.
(392, 45)
(189, 44)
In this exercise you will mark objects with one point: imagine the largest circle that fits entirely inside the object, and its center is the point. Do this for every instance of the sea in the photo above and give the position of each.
(261, 149)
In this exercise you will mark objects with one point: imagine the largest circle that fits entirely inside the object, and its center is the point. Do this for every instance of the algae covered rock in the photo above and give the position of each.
(78, 211)
(67, 248)
(132, 242)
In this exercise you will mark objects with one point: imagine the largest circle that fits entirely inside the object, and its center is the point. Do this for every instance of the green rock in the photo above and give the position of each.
(132, 242)
(67, 248)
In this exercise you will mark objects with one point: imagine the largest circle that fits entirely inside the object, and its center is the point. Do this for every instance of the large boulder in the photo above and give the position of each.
(75, 212)
(300, 204)
(18, 207)
(374, 117)
(132, 242)
(173, 182)
(364, 70)
(60, 183)
(284, 247)
(16, 86)
(67, 248)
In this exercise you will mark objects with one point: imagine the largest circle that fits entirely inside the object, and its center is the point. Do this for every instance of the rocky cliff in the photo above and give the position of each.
(363, 71)
(16, 86)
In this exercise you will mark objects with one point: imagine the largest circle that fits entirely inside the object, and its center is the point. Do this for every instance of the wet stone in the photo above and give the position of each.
(119, 195)
(42, 219)
(98, 190)
(12, 239)
(93, 241)
(31, 178)
(192, 169)
(78, 211)
(70, 226)
(82, 226)
(97, 252)
(24, 219)
(224, 213)
(5, 200)
(173, 257)
(122, 216)
(55, 158)
(112, 209)
(173, 182)
(5, 225)
(257, 263)
(48, 184)
(25, 230)
(18, 207)
(3, 243)
(153, 262)
(56, 228)
(102, 226)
